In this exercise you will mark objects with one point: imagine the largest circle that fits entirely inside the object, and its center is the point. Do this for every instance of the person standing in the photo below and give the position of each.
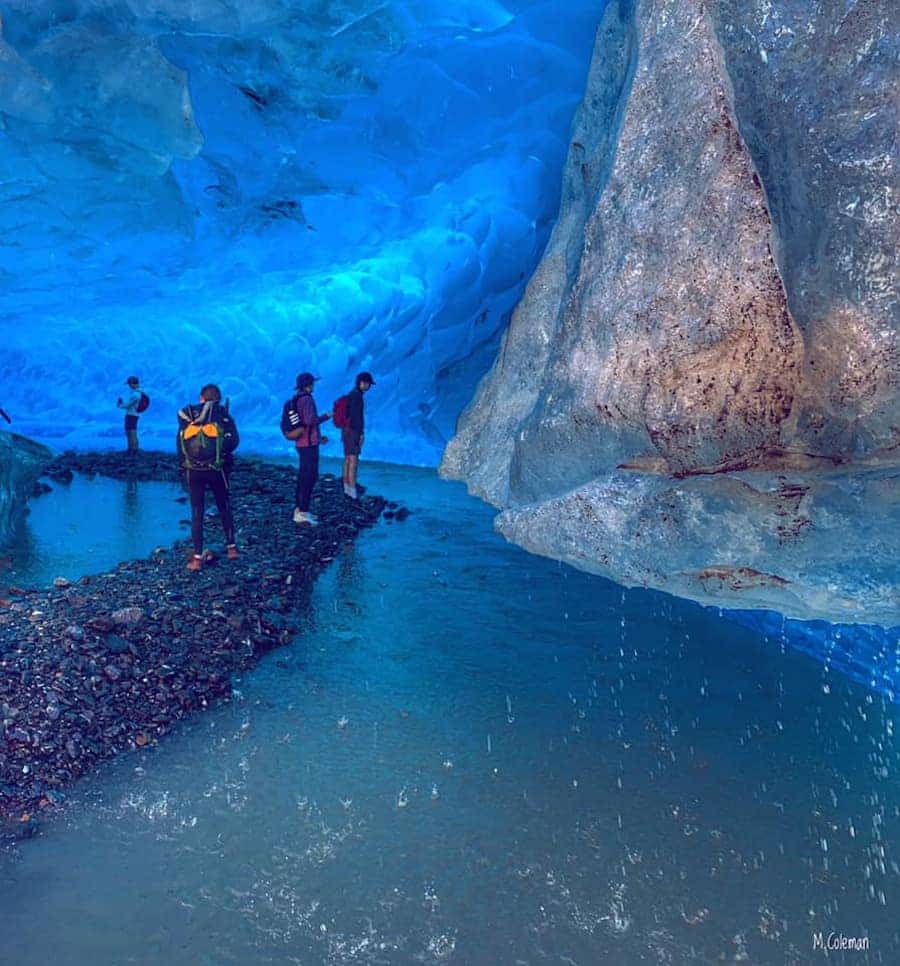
(303, 416)
(130, 405)
(353, 434)
(207, 439)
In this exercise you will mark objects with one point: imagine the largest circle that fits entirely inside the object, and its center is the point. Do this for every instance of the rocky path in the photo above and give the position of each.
(110, 663)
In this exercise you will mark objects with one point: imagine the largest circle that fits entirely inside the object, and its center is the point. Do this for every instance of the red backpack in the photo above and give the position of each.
(144, 403)
(339, 413)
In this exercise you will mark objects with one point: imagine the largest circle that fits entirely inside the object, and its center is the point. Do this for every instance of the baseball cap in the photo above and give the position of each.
(305, 379)
(365, 377)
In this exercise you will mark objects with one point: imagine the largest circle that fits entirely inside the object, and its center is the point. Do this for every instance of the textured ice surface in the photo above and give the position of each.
(242, 189)
(719, 294)
(820, 546)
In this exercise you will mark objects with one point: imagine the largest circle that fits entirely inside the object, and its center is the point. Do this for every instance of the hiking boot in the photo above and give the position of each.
(232, 552)
(195, 563)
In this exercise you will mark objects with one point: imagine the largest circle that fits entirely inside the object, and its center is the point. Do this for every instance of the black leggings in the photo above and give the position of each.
(306, 476)
(198, 482)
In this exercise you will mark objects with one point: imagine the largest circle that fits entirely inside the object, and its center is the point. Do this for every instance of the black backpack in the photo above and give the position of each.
(207, 444)
(290, 418)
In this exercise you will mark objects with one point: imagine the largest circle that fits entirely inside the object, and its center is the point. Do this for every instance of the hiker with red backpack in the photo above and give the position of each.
(349, 417)
(207, 439)
(300, 422)
(136, 403)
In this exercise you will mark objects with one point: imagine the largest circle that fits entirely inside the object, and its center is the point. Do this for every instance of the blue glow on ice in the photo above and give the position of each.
(252, 189)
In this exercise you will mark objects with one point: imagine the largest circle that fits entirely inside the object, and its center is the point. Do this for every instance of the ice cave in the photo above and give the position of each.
(600, 662)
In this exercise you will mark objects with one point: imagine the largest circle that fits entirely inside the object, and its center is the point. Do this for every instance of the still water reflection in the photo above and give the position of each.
(470, 755)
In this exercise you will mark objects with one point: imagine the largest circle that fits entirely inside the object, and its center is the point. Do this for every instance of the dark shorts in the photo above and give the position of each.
(352, 441)
(130, 422)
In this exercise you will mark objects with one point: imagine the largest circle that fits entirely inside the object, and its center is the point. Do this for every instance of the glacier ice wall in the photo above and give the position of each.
(22, 461)
(241, 189)
(700, 390)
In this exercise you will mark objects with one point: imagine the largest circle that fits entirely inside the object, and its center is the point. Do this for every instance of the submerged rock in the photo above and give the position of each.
(22, 461)
(716, 298)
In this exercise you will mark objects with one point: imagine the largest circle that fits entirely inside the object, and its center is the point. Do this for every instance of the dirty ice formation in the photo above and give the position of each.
(699, 389)
(22, 461)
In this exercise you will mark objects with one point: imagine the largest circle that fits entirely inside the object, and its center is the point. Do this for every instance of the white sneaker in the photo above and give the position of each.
(299, 515)
(311, 519)
(351, 492)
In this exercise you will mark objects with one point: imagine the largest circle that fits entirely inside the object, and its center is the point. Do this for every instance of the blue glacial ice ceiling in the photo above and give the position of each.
(240, 189)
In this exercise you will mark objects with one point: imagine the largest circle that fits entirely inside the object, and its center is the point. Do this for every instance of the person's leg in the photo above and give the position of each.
(197, 488)
(299, 488)
(131, 432)
(346, 454)
(219, 486)
(314, 469)
(306, 479)
(351, 441)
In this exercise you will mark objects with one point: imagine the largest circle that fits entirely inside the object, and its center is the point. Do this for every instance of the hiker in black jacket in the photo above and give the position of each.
(353, 434)
(207, 438)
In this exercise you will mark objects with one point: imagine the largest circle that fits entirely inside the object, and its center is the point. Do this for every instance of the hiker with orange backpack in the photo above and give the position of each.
(207, 439)
(136, 403)
(349, 417)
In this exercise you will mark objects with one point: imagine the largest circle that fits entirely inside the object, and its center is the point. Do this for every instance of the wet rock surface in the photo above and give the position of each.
(21, 462)
(718, 297)
(812, 547)
(110, 663)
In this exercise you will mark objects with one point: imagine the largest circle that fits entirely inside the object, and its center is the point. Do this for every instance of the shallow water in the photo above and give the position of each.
(470, 755)
(89, 525)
